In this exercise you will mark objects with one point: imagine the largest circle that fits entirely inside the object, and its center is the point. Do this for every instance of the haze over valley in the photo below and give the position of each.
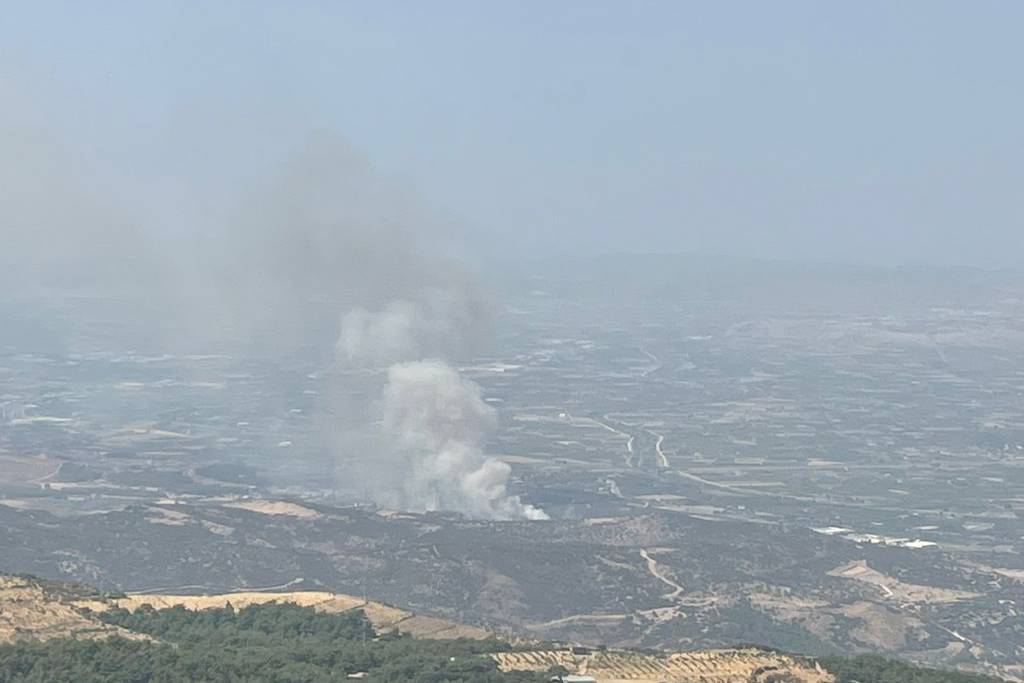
(583, 342)
(720, 463)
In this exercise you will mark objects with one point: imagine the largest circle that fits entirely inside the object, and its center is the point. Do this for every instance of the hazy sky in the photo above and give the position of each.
(861, 131)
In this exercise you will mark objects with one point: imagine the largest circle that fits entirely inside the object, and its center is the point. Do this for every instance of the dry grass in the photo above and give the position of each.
(28, 611)
(275, 507)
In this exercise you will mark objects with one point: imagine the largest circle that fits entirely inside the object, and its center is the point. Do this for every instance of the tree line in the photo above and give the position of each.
(285, 643)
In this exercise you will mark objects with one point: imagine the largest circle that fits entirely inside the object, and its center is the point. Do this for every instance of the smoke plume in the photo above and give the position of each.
(323, 252)
(439, 323)
(430, 422)
(436, 422)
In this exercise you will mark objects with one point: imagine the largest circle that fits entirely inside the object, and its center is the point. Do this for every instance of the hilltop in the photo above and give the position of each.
(34, 609)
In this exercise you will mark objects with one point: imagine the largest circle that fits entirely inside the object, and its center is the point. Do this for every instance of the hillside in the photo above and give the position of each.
(34, 609)
(611, 579)
(37, 610)
(45, 626)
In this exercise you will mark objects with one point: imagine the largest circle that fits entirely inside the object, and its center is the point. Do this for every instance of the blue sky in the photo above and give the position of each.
(883, 132)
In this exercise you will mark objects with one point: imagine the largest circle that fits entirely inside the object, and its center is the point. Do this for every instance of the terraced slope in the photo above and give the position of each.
(744, 665)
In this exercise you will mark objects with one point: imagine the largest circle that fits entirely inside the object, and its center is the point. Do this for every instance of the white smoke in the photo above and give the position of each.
(440, 322)
(422, 449)
(432, 422)
(268, 271)
(436, 422)
(379, 338)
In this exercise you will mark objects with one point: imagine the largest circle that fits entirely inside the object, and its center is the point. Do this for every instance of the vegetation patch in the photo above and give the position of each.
(279, 643)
